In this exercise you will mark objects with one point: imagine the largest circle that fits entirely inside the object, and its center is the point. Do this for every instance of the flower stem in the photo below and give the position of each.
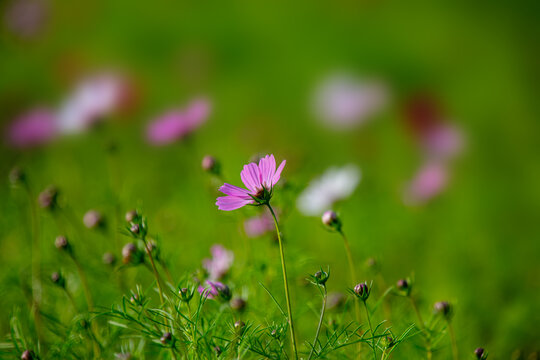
(372, 333)
(454, 342)
(320, 323)
(352, 273)
(156, 274)
(423, 326)
(285, 282)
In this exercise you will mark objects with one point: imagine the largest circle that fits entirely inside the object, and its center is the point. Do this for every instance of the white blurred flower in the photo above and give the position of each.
(335, 184)
(94, 98)
(342, 101)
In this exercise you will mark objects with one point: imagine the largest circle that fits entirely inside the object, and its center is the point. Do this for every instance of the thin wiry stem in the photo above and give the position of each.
(453, 340)
(423, 326)
(285, 282)
(156, 273)
(372, 333)
(320, 323)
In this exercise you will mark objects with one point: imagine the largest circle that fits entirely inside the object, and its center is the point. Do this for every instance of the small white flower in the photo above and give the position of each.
(335, 184)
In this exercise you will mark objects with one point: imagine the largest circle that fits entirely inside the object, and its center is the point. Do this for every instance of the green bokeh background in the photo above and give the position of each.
(476, 245)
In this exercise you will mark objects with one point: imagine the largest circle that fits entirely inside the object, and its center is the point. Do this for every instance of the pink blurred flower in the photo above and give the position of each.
(26, 18)
(259, 179)
(213, 289)
(32, 128)
(220, 263)
(93, 99)
(342, 101)
(259, 225)
(176, 124)
(428, 182)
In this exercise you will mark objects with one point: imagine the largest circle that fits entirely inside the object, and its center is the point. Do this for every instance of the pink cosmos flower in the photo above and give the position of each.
(213, 289)
(34, 127)
(259, 180)
(220, 263)
(259, 225)
(430, 180)
(176, 124)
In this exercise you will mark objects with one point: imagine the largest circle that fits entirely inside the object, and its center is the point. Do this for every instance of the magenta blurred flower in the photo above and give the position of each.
(94, 98)
(26, 18)
(213, 290)
(259, 180)
(220, 263)
(32, 128)
(442, 142)
(342, 101)
(259, 225)
(176, 124)
(429, 181)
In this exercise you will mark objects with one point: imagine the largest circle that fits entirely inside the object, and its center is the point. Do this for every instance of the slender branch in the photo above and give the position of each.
(454, 342)
(320, 323)
(285, 282)
(156, 274)
(424, 328)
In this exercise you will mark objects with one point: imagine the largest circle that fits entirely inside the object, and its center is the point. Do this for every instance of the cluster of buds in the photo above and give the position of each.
(443, 308)
(186, 294)
(331, 220)
(131, 254)
(58, 279)
(480, 354)
(404, 287)
(93, 219)
(211, 165)
(137, 225)
(320, 277)
(48, 198)
(362, 291)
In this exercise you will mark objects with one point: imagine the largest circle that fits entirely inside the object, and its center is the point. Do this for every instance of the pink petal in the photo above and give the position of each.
(235, 191)
(250, 177)
(228, 203)
(267, 168)
(277, 175)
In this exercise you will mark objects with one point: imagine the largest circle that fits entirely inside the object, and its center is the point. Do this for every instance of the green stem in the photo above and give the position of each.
(454, 342)
(156, 274)
(423, 326)
(285, 282)
(320, 324)
(352, 273)
(372, 333)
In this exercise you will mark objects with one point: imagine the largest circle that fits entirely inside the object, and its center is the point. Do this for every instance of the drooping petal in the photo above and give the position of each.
(235, 191)
(251, 177)
(277, 175)
(228, 203)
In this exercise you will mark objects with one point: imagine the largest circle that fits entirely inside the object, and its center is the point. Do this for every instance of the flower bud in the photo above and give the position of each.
(135, 229)
(480, 353)
(185, 294)
(47, 199)
(93, 219)
(62, 243)
(28, 355)
(238, 304)
(388, 342)
(239, 327)
(218, 350)
(131, 215)
(210, 164)
(109, 258)
(166, 338)
(330, 219)
(404, 287)
(131, 254)
(362, 291)
(443, 308)
(17, 176)
(58, 279)
(320, 277)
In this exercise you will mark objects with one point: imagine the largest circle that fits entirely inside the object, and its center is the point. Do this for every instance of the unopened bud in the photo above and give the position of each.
(238, 304)
(131, 215)
(48, 197)
(109, 258)
(210, 164)
(58, 279)
(404, 287)
(28, 355)
(166, 338)
(185, 294)
(92, 219)
(135, 229)
(218, 350)
(16, 176)
(362, 291)
(480, 353)
(320, 277)
(443, 308)
(128, 252)
(239, 326)
(61, 243)
(330, 219)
